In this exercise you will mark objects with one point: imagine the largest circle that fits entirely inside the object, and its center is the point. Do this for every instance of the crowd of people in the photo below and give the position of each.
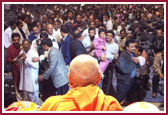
(41, 43)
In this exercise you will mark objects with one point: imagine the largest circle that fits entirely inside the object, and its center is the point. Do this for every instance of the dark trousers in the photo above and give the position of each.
(62, 90)
(123, 89)
(155, 83)
(48, 89)
(107, 81)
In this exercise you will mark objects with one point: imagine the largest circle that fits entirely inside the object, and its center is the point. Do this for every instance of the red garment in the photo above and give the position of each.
(12, 52)
(89, 98)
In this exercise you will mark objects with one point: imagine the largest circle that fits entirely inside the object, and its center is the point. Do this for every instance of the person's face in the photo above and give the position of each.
(56, 25)
(92, 33)
(137, 53)
(123, 34)
(44, 18)
(38, 25)
(92, 24)
(13, 26)
(50, 21)
(50, 29)
(26, 46)
(159, 33)
(91, 18)
(20, 26)
(16, 41)
(97, 21)
(131, 48)
(35, 30)
(102, 35)
(45, 47)
(78, 18)
(70, 15)
(109, 37)
(44, 25)
(106, 18)
(123, 25)
(85, 18)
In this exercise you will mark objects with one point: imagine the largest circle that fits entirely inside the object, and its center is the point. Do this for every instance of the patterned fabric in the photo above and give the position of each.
(23, 106)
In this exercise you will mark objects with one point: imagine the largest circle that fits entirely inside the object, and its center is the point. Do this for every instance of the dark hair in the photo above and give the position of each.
(65, 29)
(12, 22)
(18, 23)
(101, 25)
(58, 21)
(65, 17)
(129, 41)
(47, 42)
(51, 19)
(102, 30)
(107, 14)
(26, 40)
(43, 29)
(23, 16)
(43, 35)
(33, 25)
(15, 35)
(122, 30)
(75, 28)
(91, 28)
(69, 11)
(140, 49)
(111, 32)
(91, 22)
(77, 35)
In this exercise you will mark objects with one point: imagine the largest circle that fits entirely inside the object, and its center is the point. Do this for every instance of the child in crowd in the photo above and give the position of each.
(100, 48)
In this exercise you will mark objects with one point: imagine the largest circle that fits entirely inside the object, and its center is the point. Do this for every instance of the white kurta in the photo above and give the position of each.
(29, 73)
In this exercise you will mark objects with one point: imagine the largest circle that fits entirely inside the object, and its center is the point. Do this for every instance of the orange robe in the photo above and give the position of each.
(89, 98)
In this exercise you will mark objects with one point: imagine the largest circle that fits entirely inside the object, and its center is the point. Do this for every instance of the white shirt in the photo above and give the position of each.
(57, 34)
(7, 37)
(141, 60)
(87, 43)
(25, 29)
(86, 33)
(109, 25)
(29, 72)
(112, 51)
(54, 41)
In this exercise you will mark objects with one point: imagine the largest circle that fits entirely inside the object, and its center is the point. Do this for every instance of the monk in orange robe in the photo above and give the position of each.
(84, 95)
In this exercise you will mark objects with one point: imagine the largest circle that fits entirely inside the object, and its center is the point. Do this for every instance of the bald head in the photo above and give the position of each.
(84, 70)
(50, 29)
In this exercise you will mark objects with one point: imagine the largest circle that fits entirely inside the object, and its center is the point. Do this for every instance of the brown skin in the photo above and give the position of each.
(81, 75)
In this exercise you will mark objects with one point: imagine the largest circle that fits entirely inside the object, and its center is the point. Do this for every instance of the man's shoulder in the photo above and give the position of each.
(8, 29)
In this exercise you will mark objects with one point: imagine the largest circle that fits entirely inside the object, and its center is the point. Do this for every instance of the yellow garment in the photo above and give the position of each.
(89, 98)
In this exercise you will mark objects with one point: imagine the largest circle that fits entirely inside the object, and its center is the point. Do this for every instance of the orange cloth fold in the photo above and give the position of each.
(89, 98)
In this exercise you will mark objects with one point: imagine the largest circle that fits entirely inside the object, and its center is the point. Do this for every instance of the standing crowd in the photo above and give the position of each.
(127, 41)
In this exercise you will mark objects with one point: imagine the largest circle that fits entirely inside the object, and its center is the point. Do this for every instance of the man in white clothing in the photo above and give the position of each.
(109, 81)
(109, 24)
(25, 28)
(28, 73)
(8, 33)
(51, 35)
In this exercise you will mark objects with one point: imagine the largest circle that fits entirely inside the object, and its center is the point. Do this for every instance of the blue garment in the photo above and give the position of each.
(65, 49)
(32, 36)
(133, 73)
